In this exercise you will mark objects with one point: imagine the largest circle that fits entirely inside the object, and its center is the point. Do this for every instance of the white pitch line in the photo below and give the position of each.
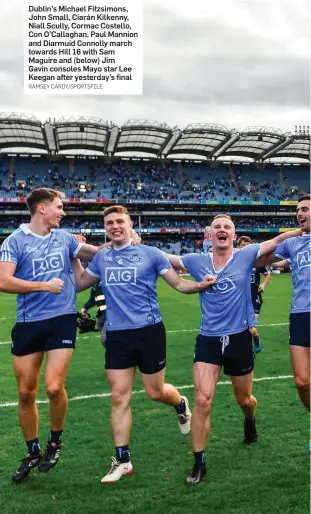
(168, 331)
(140, 391)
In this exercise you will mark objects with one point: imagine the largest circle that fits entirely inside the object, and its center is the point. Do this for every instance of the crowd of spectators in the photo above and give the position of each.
(149, 181)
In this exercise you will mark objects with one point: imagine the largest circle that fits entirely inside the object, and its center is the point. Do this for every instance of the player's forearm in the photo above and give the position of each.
(9, 284)
(281, 264)
(266, 280)
(188, 287)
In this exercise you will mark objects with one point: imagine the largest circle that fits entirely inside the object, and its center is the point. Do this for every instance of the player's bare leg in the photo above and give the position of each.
(205, 380)
(27, 369)
(256, 337)
(300, 357)
(159, 391)
(242, 388)
(121, 383)
(57, 365)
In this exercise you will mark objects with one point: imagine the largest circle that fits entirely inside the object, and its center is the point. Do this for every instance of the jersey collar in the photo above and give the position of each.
(122, 247)
(25, 228)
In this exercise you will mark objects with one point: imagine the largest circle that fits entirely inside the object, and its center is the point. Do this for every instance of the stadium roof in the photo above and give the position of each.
(256, 142)
(21, 130)
(143, 136)
(148, 138)
(77, 133)
(202, 139)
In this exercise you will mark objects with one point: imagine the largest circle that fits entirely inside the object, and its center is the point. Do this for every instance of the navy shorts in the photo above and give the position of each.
(44, 335)
(234, 352)
(144, 348)
(257, 303)
(299, 329)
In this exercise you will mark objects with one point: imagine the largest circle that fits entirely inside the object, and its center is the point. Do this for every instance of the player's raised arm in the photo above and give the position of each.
(84, 280)
(11, 284)
(188, 286)
(268, 247)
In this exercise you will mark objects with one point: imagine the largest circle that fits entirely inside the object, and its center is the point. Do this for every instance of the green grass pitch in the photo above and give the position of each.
(271, 477)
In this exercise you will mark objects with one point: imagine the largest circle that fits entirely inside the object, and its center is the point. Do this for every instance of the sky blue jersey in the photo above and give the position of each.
(226, 307)
(39, 259)
(298, 250)
(128, 276)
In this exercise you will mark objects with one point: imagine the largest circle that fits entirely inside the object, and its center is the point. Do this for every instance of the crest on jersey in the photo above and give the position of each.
(56, 244)
(135, 258)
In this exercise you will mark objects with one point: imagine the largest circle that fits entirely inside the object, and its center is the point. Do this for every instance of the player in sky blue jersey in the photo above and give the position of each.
(35, 265)
(135, 332)
(224, 339)
(298, 252)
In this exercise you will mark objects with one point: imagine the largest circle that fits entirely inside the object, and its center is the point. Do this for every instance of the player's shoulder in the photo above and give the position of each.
(247, 250)
(196, 256)
(16, 236)
(294, 243)
(147, 250)
(63, 234)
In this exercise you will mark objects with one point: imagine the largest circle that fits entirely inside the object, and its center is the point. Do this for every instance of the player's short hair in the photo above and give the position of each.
(244, 239)
(41, 194)
(222, 216)
(303, 197)
(119, 209)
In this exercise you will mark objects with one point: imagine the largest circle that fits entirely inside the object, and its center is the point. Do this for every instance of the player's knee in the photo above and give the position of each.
(54, 389)
(155, 395)
(120, 398)
(302, 383)
(26, 396)
(203, 402)
(244, 400)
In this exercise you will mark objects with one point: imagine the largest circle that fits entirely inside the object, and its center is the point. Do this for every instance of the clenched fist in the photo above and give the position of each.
(55, 285)
(208, 282)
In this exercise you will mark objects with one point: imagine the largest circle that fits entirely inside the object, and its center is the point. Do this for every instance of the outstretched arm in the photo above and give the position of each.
(187, 286)
(269, 246)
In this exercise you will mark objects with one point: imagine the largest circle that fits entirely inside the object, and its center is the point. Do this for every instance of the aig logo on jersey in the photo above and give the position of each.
(120, 277)
(49, 264)
(222, 286)
(303, 259)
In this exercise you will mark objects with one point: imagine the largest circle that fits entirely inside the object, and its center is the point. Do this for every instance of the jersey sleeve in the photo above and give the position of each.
(93, 266)
(283, 250)
(9, 251)
(74, 246)
(162, 264)
(249, 254)
(188, 262)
